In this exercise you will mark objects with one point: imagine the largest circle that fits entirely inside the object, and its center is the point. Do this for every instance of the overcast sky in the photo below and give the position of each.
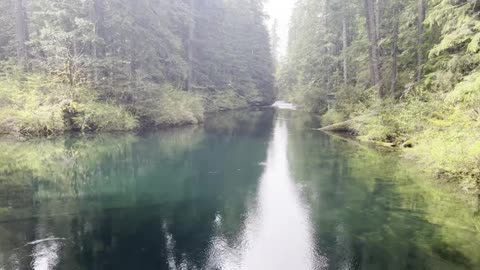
(281, 11)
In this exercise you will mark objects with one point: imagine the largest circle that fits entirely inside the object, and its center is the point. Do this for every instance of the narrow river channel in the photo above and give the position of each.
(247, 190)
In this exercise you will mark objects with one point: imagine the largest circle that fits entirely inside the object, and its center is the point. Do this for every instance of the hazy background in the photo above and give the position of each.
(280, 10)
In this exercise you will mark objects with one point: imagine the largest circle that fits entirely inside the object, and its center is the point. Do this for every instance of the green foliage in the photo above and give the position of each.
(119, 65)
(332, 117)
(232, 53)
(169, 106)
(96, 116)
(429, 70)
(44, 120)
(396, 123)
(35, 105)
(440, 135)
(467, 92)
(452, 151)
(312, 69)
(28, 107)
(458, 24)
(353, 102)
(226, 100)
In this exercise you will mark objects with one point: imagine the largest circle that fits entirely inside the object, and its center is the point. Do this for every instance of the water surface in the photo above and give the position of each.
(248, 190)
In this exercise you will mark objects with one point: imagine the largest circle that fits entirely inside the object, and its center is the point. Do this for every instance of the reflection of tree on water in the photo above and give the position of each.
(371, 214)
(124, 202)
(241, 122)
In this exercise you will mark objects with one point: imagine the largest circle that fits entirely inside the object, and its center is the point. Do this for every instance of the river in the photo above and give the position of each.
(247, 190)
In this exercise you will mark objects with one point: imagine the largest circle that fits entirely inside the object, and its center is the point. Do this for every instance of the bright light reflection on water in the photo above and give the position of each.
(278, 233)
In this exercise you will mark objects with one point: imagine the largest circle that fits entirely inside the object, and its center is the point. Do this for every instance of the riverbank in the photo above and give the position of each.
(441, 136)
(34, 105)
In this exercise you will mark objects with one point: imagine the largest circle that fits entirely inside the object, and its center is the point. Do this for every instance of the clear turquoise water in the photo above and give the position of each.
(248, 190)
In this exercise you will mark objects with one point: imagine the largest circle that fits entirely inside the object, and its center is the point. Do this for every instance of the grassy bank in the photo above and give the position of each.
(38, 105)
(440, 131)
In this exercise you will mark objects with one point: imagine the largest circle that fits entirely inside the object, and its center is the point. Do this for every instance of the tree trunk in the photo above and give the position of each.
(329, 52)
(21, 34)
(422, 7)
(99, 22)
(344, 48)
(191, 36)
(373, 48)
(98, 45)
(396, 30)
(275, 43)
(134, 5)
(378, 8)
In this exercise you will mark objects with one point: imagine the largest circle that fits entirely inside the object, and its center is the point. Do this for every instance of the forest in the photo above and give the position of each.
(108, 65)
(199, 134)
(402, 74)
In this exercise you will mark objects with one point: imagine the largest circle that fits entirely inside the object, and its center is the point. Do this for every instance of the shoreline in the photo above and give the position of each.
(345, 132)
(142, 129)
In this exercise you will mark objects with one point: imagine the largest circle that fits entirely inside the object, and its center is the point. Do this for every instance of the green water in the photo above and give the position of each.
(248, 190)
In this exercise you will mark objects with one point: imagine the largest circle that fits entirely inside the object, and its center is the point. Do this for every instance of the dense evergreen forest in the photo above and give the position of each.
(124, 64)
(397, 73)
(402, 73)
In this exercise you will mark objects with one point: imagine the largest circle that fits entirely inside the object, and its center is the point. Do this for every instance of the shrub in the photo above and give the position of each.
(95, 116)
(43, 121)
(29, 107)
(224, 100)
(166, 105)
(443, 133)
(332, 117)
(398, 123)
(452, 151)
(35, 105)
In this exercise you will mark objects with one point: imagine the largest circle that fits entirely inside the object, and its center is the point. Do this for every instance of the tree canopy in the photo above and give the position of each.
(162, 62)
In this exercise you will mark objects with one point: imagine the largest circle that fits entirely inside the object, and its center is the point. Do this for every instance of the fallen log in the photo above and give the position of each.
(343, 127)
(346, 126)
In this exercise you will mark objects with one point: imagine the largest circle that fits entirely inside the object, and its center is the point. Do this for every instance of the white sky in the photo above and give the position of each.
(281, 11)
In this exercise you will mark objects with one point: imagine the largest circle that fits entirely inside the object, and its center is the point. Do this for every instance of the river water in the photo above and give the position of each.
(247, 190)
